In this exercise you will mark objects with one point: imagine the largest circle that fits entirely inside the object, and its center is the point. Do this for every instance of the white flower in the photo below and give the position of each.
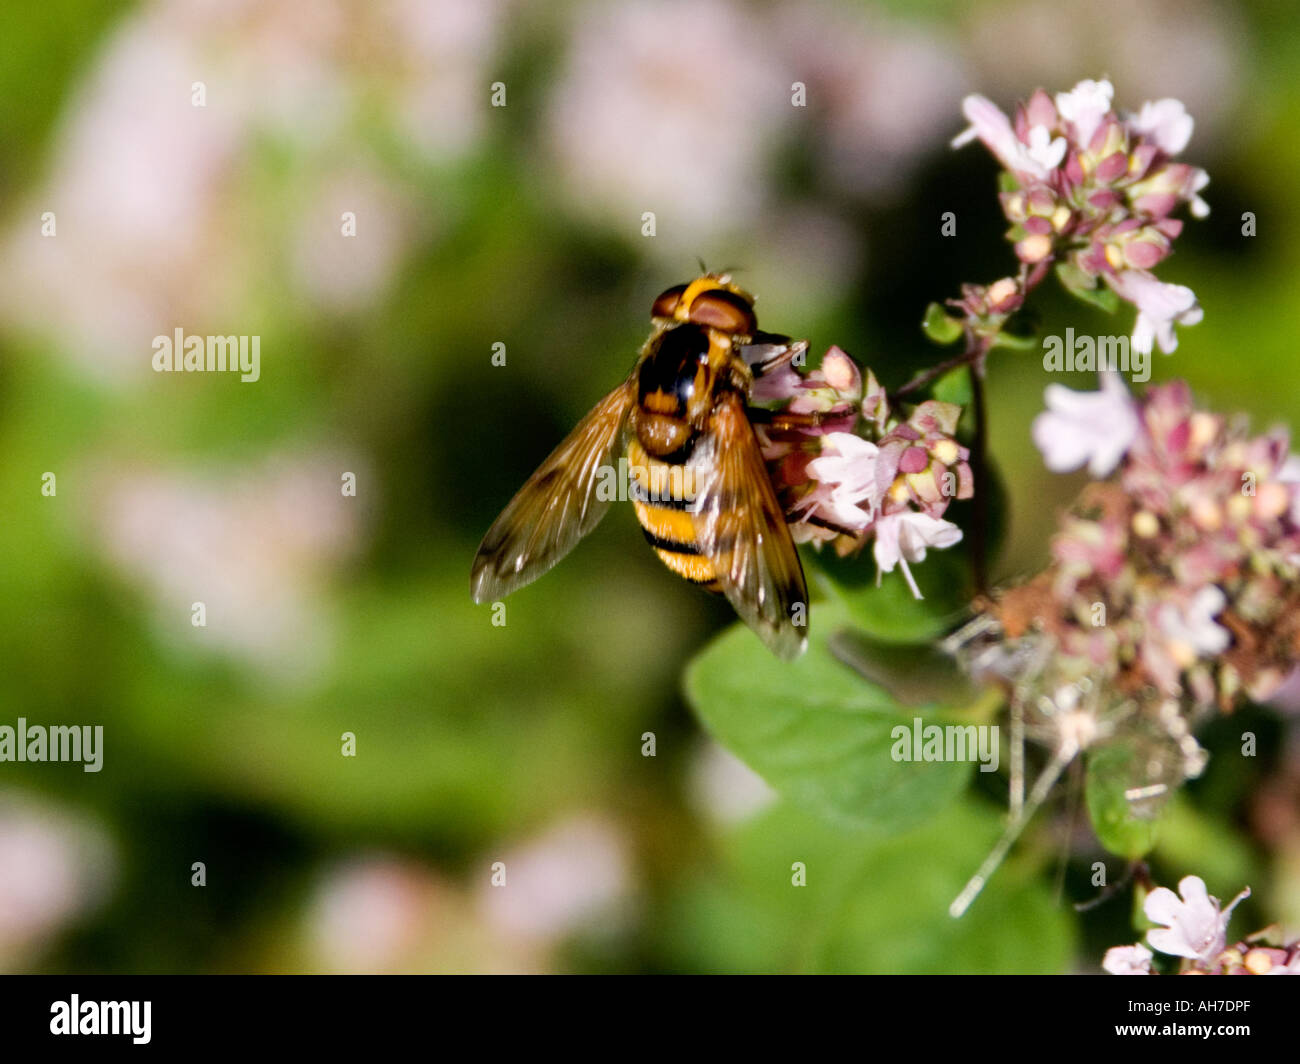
(1193, 632)
(256, 548)
(864, 62)
(1160, 307)
(576, 875)
(1166, 123)
(348, 275)
(1199, 208)
(1042, 155)
(1128, 960)
(374, 913)
(1290, 474)
(1092, 428)
(724, 788)
(905, 536)
(1194, 927)
(54, 868)
(630, 129)
(1085, 106)
(1043, 149)
(846, 472)
(151, 191)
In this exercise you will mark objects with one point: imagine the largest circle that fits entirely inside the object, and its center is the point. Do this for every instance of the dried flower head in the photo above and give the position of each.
(1174, 581)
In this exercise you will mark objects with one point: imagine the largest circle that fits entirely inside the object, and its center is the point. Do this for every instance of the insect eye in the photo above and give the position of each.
(666, 304)
(724, 311)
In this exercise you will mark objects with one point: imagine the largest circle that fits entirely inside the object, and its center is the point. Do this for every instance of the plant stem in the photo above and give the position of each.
(979, 473)
(930, 375)
(1042, 787)
(1030, 278)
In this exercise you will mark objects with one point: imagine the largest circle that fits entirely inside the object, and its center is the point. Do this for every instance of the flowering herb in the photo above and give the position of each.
(861, 471)
(1092, 191)
(1191, 925)
(1174, 577)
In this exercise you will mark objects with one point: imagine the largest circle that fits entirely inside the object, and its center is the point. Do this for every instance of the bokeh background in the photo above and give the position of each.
(521, 225)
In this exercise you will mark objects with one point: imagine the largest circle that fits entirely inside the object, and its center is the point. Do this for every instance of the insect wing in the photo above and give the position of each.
(557, 506)
(740, 526)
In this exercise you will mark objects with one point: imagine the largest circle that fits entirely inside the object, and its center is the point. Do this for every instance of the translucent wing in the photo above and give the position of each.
(739, 525)
(556, 507)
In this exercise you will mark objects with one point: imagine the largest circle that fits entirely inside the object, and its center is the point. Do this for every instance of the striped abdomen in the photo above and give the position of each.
(662, 494)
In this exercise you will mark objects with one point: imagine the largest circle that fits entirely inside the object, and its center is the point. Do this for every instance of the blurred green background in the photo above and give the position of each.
(522, 225)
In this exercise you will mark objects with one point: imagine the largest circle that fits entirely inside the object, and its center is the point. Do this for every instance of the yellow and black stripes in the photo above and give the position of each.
(662, 495)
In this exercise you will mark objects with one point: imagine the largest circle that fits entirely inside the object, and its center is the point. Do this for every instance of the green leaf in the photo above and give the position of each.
(1085, 287)
(940, 326)
(954, 387)
(870, 904)
(1007, 181)
(921, 675)
(1112, 770)
(816, 731)
(1016, 342)
(889, 611)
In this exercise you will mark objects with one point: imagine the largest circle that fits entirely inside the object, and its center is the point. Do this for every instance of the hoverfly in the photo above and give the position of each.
(697, 478)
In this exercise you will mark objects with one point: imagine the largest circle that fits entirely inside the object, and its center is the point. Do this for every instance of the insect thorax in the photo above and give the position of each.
(676, 384)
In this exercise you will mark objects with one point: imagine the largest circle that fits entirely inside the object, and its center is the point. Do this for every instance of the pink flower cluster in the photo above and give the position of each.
(1191, 549)
(1191, 925)
(1094, 191)
(1174, 586)
(848, 468)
